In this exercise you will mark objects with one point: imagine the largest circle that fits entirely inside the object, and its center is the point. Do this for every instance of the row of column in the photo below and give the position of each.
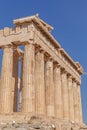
(47, 89)
(50, 90)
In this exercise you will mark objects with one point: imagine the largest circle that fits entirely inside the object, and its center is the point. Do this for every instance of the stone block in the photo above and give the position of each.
(6, 31)
(1, 33)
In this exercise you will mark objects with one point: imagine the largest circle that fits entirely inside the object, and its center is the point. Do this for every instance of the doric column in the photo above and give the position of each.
(28, 90)
(71, 101)
(49, 87)
(75, 95)
(6, 81)
(65, 95)
(21, 82)
(39, 83)
(57, 92)
(15, 75)
(79, 104)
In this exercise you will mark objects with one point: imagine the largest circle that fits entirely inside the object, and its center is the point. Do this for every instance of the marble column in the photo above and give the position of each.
(65, 95)
(71, 101)
(79, 104)
(21, 82)
(57, 92)
(40, 83)
(49, 88)
(6, 81)
(75, 101)
(28, 89)
(15, 75)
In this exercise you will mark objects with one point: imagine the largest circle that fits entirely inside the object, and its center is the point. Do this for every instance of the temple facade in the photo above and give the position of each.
(49, 78)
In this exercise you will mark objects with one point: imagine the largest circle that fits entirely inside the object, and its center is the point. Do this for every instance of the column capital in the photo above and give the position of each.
(38, 48)
(48, 58)
(69, 77)
(42, 51)
(56, 64)
(28, 42)
(18, 52)
(63, 70)
(78, 83)
(73, 79)
(8, 46)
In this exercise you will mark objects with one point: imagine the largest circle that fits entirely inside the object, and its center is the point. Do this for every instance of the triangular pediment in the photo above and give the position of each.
(29, 19)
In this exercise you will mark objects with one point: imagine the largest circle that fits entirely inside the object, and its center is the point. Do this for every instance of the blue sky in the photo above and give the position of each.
(69, 19)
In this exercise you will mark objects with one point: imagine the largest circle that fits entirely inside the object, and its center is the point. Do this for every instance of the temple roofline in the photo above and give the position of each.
(30, 18)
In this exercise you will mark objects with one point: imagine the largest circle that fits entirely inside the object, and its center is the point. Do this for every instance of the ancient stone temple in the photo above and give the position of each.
(49, 80)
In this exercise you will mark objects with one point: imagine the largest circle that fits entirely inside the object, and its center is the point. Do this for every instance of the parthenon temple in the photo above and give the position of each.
(37, 75)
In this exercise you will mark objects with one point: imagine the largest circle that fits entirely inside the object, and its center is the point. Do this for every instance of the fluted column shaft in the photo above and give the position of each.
(57, 92)
(21, 82)
(49, 88)
(71, 101)
(79, 104)
(40, 84)
(15, 75)
(28, 90)
(75, 94)
(65, 95)
(6, 81)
